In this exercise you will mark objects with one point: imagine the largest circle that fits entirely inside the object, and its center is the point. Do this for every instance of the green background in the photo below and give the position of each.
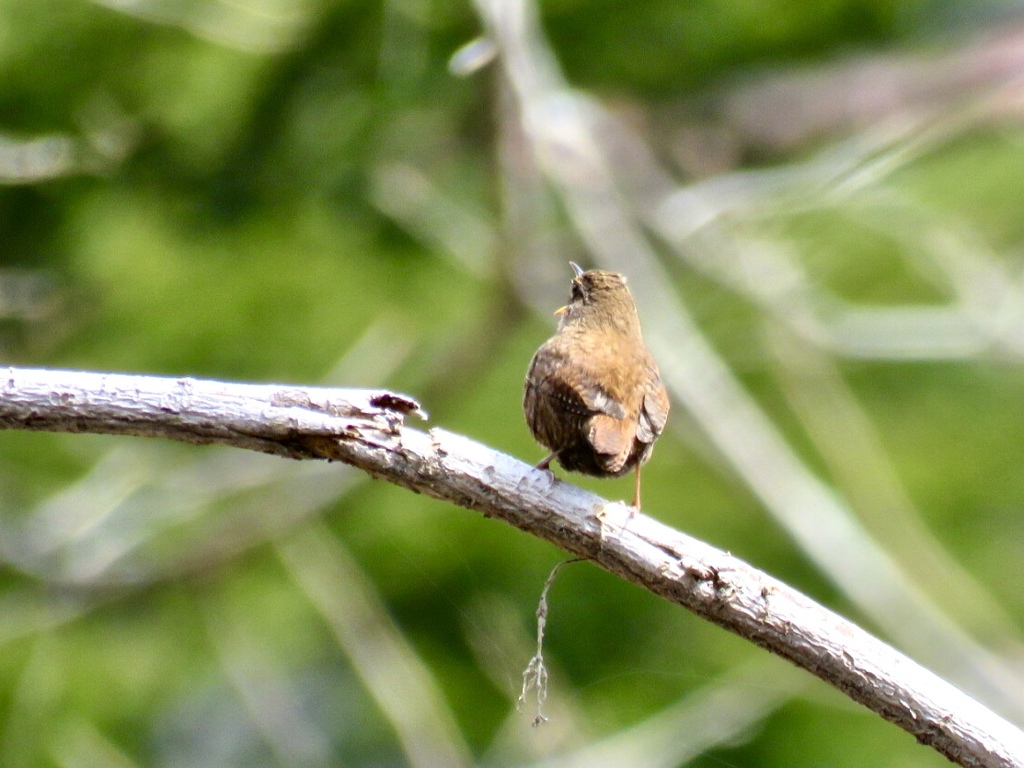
(300, 191)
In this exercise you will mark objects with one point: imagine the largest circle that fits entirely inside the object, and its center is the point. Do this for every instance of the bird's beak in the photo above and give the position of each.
(577, 270)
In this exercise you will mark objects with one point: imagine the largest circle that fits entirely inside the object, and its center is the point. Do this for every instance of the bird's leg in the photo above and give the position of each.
(636, 492)
(546, 464)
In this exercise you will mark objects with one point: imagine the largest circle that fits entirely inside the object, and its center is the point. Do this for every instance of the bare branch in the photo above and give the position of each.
(282, 420)
(366, 428)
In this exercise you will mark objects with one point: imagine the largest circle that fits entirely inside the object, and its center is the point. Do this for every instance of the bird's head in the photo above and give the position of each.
(599, 299)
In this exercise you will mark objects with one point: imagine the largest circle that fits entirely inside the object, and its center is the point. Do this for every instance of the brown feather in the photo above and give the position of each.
(593, 395)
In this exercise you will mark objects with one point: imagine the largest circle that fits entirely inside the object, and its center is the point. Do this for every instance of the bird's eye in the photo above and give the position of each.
(577, 292)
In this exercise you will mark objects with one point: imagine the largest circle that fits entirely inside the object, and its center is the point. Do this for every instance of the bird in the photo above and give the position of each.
(593, 394)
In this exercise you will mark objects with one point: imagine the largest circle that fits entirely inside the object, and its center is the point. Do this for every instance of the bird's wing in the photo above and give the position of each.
(581, 397)
(612, 438)
(551, 405)
(654, 413)
(610, 432)
(599, 401)
(565, 397)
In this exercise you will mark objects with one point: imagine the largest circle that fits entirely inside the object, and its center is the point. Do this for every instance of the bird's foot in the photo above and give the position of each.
(546, 463)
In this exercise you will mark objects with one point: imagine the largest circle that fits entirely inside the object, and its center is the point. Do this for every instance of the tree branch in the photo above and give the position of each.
(366, 428)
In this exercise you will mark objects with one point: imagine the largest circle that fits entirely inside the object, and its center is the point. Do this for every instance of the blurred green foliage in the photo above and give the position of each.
(219, 215)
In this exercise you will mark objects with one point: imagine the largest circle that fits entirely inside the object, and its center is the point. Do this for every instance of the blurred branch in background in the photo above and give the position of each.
(107, 137)
(27, 295)
(713, 714)
(265, 26)
(789, 110)
(390, 668)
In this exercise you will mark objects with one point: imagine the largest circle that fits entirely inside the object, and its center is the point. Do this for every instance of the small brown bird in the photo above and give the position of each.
(593, 394)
